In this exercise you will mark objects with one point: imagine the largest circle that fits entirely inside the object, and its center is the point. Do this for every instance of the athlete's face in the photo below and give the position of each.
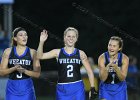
(70, 38)
(21, 38)
(113, 47)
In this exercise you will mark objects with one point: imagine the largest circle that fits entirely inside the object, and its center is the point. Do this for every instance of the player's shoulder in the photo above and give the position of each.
(7, 51)
(101, 56)
(56, 52)
(81, 51)
(125, 57)
(82, 54)
(32, 51)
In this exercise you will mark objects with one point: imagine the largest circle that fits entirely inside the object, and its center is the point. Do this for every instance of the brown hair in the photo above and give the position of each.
(119, 39)
(15, 32)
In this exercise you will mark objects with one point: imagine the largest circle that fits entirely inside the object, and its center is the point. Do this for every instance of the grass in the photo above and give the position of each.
(46, 98)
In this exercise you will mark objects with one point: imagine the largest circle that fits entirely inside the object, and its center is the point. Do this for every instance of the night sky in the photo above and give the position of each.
(57, 15)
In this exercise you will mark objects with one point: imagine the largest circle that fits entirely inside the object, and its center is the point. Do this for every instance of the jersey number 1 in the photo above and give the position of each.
(69, 71)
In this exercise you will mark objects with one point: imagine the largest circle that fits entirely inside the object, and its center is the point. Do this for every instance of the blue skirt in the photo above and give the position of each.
(113, 91)
(20, 90)
(70, 91)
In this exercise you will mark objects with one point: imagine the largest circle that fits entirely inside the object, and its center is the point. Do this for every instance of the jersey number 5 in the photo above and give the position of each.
(69, 71)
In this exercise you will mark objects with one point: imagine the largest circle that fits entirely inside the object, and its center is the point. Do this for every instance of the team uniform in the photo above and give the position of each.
(70, 86)
(112, 88)
(20, 86)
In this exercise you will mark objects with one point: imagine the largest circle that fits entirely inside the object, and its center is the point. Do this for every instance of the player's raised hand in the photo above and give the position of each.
(43, 36)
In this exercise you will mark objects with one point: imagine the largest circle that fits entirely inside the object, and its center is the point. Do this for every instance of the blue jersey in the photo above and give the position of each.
(112, 88)
(69, 66)
(112, 77)
(25, 60)
(70, 86)
(19, 85)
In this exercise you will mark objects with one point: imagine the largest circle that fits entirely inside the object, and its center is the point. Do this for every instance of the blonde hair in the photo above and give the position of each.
(71, 29)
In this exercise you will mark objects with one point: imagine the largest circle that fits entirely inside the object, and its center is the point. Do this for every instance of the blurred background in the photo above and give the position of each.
(96, 24)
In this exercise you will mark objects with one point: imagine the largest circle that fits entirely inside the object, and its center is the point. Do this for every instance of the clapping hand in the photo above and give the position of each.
(20, 69)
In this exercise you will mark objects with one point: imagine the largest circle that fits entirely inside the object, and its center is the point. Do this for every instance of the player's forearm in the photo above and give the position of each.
(7, 71)
(119, 74)
(40, 50)
(103, 73)
(91, 78)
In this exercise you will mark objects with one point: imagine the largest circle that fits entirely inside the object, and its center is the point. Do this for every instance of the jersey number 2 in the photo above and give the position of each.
(69, 71)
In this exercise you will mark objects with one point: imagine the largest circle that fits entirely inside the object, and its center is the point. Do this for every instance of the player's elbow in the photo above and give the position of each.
(122, 78)
(37, 75)
(2, 73)
(103, 78)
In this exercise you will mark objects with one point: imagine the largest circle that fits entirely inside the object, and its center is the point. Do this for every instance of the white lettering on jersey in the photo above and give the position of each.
(69, 61)
(20, 62)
